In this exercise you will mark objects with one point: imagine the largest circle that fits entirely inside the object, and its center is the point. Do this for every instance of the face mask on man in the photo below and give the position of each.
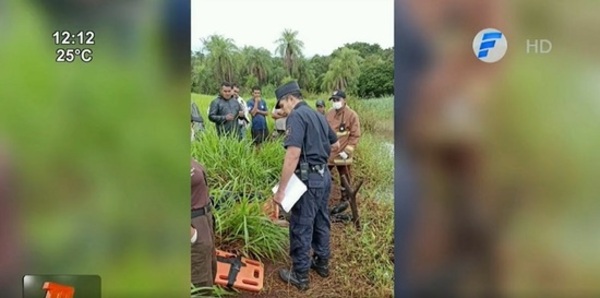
(337, 105)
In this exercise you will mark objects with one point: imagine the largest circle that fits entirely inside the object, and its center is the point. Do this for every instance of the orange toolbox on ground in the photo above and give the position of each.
(238, 272)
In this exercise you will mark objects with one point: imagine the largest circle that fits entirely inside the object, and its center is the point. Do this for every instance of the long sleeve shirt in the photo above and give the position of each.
(197, 119)
(200, 195)
(346, 124)
(219, 109)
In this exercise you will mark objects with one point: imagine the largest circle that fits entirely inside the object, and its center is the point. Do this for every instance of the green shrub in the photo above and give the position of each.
(237, 172)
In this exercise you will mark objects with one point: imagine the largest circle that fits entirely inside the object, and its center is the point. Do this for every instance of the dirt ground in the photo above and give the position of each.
(319, 287)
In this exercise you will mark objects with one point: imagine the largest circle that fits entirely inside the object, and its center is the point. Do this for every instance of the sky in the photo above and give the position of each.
(323, 25)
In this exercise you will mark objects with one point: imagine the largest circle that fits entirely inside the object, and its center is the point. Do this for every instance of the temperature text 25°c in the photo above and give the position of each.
(70, 55)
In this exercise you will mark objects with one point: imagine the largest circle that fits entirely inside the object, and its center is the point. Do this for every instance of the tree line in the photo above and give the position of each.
(359, 68)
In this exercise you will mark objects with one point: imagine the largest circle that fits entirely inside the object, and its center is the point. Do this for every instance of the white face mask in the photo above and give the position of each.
(337, 105)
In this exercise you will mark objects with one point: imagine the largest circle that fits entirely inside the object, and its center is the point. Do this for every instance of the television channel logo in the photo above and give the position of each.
(490, 45)
(61, 286)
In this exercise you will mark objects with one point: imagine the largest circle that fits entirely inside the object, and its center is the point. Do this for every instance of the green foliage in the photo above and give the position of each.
(99, 153)
(368, 255)
(344, 71)
(236, 168)
(348, 67)
(286, 80)
(210, 292)
(376, 78)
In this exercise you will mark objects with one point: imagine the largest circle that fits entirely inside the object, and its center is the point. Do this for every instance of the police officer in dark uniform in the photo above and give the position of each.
(308, 142)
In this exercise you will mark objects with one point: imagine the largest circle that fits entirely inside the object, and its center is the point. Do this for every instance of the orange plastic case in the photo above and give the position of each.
(249, 278)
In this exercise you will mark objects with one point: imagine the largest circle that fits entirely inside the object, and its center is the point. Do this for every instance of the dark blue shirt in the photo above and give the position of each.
(259, 122)
(308, 129)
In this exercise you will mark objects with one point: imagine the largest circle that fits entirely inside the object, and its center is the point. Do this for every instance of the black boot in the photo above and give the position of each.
(341, 217)
(339, 208)
(343, 204)
(299, 280)
(320, 266)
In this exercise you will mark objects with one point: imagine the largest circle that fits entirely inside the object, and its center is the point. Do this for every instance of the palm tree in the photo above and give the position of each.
(306, 75)
(344, 71)
(221, 56)
(257, 62)
(290, 48)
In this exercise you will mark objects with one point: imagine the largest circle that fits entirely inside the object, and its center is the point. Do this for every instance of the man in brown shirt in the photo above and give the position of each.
(344, 121)
(204, 259)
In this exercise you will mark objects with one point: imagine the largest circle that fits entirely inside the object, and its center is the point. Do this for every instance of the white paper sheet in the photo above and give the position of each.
(295, 189)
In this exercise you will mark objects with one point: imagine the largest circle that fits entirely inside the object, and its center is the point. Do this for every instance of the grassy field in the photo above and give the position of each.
(362, 262)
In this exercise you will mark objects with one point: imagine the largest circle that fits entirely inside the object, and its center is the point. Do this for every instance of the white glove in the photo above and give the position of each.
(195, 237)
(344, 155)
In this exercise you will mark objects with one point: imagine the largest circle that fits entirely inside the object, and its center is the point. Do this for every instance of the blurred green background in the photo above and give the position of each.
(544, 135)
(539, 146)
(102, 149)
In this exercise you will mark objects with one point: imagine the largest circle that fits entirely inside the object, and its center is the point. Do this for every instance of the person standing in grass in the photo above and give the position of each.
(203, 253)
(280, 117)
(225, 111)
(197, 120)
(258, 109)
(345, 122)
(308, 143)
(243, 121)
(321, 106)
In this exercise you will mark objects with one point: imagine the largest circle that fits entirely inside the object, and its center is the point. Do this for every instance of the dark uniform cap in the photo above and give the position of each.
(320, 103)
(338, 94)
(286, 89)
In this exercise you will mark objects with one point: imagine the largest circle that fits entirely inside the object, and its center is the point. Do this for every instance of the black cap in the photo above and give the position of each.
(286, 89)
(338, 94)
(320, 103)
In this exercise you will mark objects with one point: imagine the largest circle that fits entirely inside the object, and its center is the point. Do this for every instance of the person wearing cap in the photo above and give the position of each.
(308, 143)
(346, 124)
(197, 120)
(203, 253)
(321, 106)
(225, 111)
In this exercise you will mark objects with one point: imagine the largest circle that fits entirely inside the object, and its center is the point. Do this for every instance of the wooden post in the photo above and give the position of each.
(351, 195)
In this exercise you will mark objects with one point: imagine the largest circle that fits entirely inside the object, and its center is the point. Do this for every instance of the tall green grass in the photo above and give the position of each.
(236, 172)
(376, 116)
